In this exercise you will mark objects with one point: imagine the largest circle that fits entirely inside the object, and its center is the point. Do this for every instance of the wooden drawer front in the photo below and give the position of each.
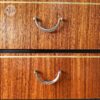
(79, 30)
(80, 78)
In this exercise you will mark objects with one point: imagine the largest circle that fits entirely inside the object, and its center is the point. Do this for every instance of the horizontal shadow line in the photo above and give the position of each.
(49, 50)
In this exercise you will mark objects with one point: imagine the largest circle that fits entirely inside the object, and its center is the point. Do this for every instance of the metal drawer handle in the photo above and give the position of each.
(47, 82)
(54, 28)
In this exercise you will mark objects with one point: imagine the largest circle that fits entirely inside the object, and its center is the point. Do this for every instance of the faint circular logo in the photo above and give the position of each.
(10, 10)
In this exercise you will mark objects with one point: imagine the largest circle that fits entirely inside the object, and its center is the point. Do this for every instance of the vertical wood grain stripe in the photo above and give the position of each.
(66, 3)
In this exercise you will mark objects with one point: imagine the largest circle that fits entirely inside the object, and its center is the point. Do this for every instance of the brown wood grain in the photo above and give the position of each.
(80, 29)
(80, 78)
(98, 1)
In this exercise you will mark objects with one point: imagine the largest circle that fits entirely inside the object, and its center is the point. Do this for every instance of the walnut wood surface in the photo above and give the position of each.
(80, 78)
(98, 1)
(80, 30)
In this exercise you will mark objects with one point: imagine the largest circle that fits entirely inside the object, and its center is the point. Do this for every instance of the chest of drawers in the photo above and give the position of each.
(63, 24)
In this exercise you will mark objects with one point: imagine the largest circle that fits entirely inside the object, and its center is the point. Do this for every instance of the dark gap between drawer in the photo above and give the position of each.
(49, 50)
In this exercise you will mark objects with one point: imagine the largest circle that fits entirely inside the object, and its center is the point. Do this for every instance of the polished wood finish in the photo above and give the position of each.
(80, 29)
(98, 1)
(80, 78)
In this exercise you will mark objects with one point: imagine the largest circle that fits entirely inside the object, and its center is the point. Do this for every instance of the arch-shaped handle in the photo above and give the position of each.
(54, 28)
(47, 82)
